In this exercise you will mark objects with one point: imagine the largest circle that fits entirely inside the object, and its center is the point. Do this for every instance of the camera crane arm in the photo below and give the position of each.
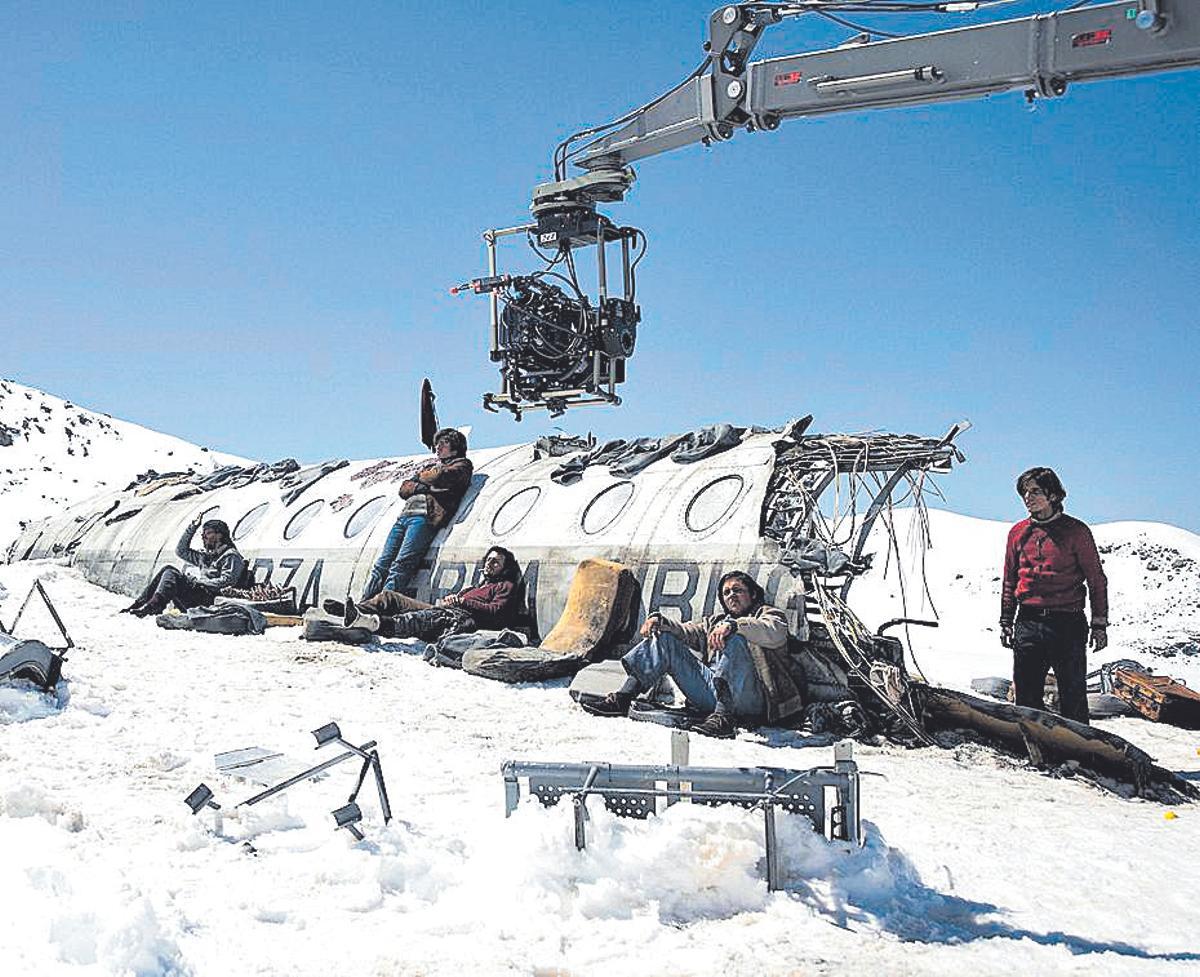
(1043, 54)
(557, 348)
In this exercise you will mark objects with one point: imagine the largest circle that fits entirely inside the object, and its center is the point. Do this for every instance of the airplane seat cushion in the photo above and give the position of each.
(598, 607)
(319, 626)
(528, 664)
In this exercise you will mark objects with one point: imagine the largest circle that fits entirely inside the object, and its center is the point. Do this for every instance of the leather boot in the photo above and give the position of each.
(719, 723)
(155, 605)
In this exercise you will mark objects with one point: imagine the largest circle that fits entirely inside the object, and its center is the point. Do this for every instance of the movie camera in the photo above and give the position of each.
(558, 348)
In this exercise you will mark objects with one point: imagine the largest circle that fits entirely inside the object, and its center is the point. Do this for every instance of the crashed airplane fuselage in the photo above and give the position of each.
(678, 526)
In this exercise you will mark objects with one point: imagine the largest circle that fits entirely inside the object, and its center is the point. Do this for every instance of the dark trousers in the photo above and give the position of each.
(1055, 641)
(171, 584)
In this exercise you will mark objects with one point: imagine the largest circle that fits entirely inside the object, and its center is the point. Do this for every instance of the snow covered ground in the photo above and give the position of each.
(974, 863)
(53, 453)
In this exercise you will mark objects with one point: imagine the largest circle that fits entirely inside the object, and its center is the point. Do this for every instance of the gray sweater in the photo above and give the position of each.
(218, 570)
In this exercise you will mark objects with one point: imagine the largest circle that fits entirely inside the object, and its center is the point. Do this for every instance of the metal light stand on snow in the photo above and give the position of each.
(30, 658)
(38, 589)
(348, 815)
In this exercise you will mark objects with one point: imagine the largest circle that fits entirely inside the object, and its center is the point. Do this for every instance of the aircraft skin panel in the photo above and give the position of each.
(679, 527)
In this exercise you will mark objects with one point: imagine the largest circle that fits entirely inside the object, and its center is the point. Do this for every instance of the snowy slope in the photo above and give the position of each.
(53, 453)
(974, 863)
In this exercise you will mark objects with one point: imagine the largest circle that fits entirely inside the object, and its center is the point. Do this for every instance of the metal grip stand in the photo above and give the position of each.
(827, 796)
(348, 815)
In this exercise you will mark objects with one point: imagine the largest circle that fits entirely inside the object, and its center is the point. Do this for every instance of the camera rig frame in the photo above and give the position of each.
(557, 348)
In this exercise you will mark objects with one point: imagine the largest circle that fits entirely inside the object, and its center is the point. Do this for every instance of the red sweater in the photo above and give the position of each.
(491, 604)
(1046, 565)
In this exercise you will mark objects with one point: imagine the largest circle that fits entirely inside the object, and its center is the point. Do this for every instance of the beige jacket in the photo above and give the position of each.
(766, 632)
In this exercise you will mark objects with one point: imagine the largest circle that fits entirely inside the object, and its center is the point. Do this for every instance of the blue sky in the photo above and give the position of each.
(237, 223)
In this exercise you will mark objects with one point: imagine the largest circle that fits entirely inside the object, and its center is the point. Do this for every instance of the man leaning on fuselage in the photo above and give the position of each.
(431, 500)
(731, 666)
(492, 604)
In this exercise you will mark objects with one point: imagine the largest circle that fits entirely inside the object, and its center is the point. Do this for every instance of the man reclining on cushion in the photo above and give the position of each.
(209, 571)
(742, 670)
(491, 605)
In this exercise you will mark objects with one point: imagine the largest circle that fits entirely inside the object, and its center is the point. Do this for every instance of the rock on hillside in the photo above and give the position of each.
(53, 453)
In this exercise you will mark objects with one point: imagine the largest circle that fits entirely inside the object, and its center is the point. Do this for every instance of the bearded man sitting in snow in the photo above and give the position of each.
(731, 666)
(208, 572)
(491, 605)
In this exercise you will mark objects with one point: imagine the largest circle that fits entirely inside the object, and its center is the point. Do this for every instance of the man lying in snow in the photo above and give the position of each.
(742, 671)
(491, 605)
(208, 572)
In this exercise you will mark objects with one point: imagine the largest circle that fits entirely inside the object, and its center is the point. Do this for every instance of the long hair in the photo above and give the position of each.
(758, 596)
(1046, 480)
(511, 571)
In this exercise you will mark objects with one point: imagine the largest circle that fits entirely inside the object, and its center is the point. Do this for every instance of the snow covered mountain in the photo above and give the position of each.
(54, 453)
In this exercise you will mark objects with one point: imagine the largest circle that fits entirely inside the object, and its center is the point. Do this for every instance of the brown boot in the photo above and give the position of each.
(716, 724)
(613, 705)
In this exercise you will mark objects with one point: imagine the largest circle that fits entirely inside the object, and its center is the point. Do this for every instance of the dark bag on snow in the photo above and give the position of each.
(449, 651)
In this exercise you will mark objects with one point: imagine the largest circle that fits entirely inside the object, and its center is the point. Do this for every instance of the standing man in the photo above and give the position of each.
(432, 498)
(741, 672)
(1049, 559)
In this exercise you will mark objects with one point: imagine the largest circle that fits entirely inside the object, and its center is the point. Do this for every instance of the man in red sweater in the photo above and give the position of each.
(491, 605)
(1049, 559)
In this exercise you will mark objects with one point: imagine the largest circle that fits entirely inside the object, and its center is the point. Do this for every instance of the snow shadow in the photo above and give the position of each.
(396, 646)
(22, 701)
(777, 737)
(878, 888)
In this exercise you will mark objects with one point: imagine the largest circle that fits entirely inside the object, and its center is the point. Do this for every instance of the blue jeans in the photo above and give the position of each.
(664, 654)
(397, 564)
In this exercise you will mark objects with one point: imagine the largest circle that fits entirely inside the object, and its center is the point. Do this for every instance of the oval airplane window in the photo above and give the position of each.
(299, 522)
(604, 509)
(713, 503)
(365, 515)
(251, 519)
(514, 510)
